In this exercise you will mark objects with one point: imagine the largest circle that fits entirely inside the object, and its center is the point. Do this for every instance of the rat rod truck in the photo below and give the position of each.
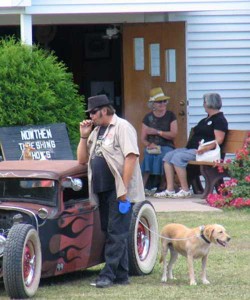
(49, 226)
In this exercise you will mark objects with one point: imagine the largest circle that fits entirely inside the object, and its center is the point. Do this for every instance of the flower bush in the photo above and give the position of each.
(236, 191)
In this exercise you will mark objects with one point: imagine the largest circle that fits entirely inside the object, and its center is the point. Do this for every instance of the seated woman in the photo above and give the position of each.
(213, 127)
(159, 128)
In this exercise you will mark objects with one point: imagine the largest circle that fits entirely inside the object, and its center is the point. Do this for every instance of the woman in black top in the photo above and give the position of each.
(159, 128)
(213, 127)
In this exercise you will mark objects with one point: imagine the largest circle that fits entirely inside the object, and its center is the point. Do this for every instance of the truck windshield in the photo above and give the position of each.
(42, 191)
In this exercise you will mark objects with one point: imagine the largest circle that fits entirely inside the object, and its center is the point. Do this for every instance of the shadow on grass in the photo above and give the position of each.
(69, 279)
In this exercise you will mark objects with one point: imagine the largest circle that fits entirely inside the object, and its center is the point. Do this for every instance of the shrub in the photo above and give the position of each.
(35, 88)
(236, 191)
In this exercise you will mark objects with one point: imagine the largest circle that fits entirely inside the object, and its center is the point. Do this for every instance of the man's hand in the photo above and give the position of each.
(86, 128)
(123, 198)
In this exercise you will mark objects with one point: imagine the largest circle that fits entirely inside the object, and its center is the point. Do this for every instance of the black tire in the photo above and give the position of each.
(143, 239)
(22, 262)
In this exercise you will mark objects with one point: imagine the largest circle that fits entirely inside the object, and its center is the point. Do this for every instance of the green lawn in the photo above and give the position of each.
(228, 269)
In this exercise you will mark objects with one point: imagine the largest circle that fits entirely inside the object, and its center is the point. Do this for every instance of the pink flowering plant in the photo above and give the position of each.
(236, 191)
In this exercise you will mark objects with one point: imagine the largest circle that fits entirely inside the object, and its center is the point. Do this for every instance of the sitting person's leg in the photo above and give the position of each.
(165, 150)
(169, 175)
(152, 167)
(180, 161)
(146, 167)
(169, 170)
(182, 175)
(177, 160)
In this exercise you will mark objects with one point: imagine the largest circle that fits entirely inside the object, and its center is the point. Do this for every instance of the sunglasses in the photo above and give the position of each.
(162, 101)
(94, 111)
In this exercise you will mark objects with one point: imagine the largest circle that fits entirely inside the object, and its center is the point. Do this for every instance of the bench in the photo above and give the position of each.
(234, 141)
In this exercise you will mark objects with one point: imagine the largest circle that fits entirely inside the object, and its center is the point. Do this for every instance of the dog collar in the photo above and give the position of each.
(202, 235)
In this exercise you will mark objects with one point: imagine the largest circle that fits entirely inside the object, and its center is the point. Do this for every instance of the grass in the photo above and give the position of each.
(228, 269)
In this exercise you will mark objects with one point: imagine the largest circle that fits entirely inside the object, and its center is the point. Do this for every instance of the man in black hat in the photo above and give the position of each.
(109, 145)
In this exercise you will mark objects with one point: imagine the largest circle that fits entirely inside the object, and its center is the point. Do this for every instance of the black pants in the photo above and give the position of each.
(116, 226)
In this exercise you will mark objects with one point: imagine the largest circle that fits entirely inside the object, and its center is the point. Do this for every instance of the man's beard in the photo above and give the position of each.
(97, 122)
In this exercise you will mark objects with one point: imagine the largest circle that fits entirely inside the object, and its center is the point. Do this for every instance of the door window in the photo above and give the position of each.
(170, 60)
(139, 54)
(154, 50)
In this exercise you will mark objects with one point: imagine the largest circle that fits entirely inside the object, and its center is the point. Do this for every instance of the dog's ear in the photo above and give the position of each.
(208, 232)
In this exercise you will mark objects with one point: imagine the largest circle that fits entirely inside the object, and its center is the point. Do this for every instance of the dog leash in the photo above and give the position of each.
(163, 237)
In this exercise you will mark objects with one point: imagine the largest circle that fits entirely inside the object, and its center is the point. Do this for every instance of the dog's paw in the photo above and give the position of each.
(193, 282)
(164, 279)
(205, 281)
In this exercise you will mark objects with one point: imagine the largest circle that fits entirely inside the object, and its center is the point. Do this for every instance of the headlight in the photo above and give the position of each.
(2, 244)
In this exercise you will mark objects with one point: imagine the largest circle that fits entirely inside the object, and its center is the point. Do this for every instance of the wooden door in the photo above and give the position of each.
(154, 56)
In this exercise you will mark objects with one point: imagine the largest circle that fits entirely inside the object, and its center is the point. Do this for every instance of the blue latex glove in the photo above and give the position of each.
(124, 206)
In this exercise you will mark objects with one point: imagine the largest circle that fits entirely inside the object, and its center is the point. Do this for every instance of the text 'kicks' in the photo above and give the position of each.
(182, 194)
(164, 194)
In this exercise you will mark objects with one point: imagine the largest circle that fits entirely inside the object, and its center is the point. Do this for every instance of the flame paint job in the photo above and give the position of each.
(71, 236)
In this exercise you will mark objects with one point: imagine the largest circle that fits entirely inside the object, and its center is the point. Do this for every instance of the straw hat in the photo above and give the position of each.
(156, 94)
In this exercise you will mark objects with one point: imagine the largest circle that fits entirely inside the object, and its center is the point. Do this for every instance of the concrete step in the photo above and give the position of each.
(194, 203)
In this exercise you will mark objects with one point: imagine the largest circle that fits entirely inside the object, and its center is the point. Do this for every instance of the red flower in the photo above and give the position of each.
(239, 185)
(247, 178)
(242, 154)
(230, 183)
(240, 202)
(216, 200)
(220, 169)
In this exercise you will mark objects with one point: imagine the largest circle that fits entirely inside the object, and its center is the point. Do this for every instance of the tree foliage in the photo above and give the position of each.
(35, 88)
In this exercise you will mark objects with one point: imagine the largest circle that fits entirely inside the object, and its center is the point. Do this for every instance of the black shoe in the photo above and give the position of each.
(93, 283)
(104, 282)
(122, 281)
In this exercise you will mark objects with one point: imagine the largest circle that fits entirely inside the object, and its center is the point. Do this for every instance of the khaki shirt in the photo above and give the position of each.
(119, 140)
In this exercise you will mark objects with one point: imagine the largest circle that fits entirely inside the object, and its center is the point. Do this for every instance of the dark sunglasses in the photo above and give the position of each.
(94, 111)
(162, 101)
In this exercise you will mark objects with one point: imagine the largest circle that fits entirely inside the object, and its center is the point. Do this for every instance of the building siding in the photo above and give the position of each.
(218, 60)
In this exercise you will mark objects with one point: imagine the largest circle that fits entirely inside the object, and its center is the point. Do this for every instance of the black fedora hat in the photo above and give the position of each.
(97, 101)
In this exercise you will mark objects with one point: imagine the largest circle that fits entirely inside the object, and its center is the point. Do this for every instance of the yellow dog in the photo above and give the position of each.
(192, 243)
